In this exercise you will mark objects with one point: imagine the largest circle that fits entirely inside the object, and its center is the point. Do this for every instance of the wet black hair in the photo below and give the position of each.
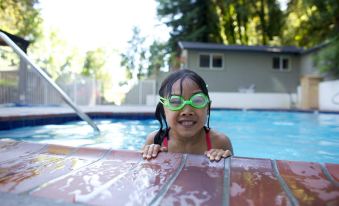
(166, 90)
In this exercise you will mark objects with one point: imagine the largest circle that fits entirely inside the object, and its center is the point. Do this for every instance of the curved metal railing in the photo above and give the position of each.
(64, 96)
(335, 98)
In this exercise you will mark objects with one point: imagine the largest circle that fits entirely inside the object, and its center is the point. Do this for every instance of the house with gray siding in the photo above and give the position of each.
(245, 76)
(233, 68)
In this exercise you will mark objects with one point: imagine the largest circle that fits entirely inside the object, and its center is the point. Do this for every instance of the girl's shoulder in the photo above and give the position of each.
(214, 134)
(220, 140)
(156, 137)
(150, 137)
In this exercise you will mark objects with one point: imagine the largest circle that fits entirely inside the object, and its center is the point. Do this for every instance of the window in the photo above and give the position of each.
(281, 63)
(204, 61)
(211, 61)
(276, 62)
(285, 64)
(217, 61)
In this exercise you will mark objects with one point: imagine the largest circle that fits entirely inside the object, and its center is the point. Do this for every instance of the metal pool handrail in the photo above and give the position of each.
(64, 96)
(335, 97)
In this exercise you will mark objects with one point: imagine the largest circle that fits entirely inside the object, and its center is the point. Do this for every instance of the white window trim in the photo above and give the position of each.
(289, 68)
(211, 61)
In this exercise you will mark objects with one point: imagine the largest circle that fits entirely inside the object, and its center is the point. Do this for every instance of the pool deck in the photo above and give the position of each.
(42, 174)
(14, 117)
(7, 112)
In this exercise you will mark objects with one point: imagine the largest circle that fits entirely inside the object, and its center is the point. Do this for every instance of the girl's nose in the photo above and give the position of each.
(187, 110)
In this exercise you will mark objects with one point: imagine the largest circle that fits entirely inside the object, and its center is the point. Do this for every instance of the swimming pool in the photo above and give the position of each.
(275, 135)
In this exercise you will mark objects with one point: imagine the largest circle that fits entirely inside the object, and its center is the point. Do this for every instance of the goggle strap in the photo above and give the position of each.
(163, 100)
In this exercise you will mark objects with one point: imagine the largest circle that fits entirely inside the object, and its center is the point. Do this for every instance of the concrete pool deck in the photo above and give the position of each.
(51, 110)
(14, 117)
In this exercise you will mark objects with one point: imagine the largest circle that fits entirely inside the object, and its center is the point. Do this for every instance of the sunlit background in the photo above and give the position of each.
(120, 44)
(101, 24)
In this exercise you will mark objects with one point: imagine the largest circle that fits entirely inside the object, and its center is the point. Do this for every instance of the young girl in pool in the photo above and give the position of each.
(184, 110)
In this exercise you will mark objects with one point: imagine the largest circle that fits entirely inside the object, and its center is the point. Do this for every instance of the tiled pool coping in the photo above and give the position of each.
(67, 175)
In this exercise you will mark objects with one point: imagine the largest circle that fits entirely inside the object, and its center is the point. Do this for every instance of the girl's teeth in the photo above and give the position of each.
(187, 123)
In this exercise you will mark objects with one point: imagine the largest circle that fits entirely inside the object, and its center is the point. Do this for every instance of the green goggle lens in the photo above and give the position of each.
(175, 102)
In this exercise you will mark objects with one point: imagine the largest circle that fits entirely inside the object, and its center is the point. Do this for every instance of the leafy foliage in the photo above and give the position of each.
(305, 23)
(134, 59)
(94, 65)
(246, 22)
(327, 59)
(94, 62)
(51, 54)
(310, 23)
(190, 21)
(21, 18)
(156, 60)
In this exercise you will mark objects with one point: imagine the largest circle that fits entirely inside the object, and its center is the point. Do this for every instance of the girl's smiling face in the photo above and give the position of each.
(187, 122)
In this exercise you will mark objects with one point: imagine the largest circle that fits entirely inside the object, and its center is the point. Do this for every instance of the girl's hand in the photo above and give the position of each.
(217, 154)
(152, 150)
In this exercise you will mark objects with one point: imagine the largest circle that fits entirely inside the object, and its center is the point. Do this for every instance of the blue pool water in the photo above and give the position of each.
(275, 135)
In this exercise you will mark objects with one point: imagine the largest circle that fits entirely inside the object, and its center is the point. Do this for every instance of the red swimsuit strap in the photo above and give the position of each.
(207, 137)
(165, 142)
(208, 140)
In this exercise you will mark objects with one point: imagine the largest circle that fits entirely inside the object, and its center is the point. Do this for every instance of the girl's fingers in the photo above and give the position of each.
(227, 153)
(217, 154)
(208, 153)
(212, 154)
(156, 150)
(163, 149)
(150, 151)
(145, 151)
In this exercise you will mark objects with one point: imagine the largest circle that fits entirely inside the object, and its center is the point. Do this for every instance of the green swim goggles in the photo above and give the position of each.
(176, 102)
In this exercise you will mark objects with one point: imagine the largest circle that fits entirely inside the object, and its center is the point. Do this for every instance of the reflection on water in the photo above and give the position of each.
(281, 135)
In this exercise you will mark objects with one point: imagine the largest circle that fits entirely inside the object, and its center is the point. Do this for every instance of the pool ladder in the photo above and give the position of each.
(64, 96)
(335, 98)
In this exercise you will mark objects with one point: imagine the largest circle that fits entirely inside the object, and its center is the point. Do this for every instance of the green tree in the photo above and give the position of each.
(94, 66)
(234, 21)
(311, 23)
(246, 22)
(270, 20)
(222, 21)
(21, 18)
(94, 63)
(134, 59)
(157, 55)
(53, 54)
(328, 59)
(190, 21)
(50, 52)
